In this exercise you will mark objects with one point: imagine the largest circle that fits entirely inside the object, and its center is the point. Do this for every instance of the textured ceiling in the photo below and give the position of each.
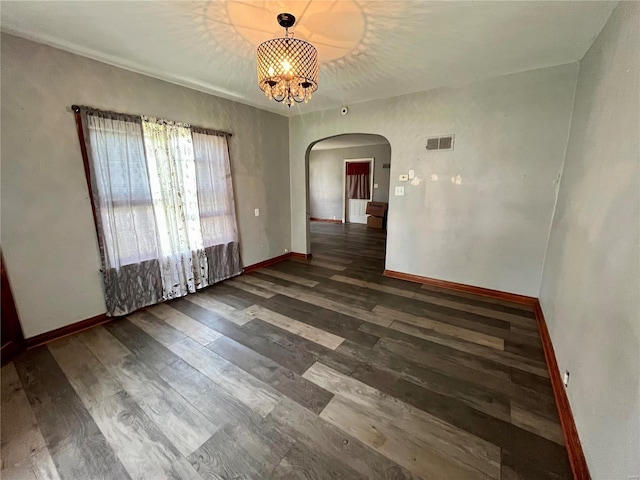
(367, 49)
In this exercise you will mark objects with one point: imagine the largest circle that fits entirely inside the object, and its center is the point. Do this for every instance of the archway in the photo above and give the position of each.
(343, 174)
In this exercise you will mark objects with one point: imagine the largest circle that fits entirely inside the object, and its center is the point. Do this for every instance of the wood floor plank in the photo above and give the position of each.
(24, 453)
(201, 392)
(524, 418)
(476, 299)
(489, 401)
(415, 352)
(301, 462)
(141, 446)
(128, 335)
(546, 455)
(252, 392)
(308, 352)
(163, 332)
(323, 264)
(333, 259)
(208, 302)
(285, 381)
(337, 323)
(394, 416)
(373, 286)
(257, 395)
(221, 458)
(290, 278)
(262, 440)
(309, 332)
(182, 424)
(255, 335)
(185, 324)
(513, 318)
(76, 445)
(242, 285)
(319, 435)
(415, 362)
(364, 315)
(384, 437)
(88, 377)
(228, 295)
(328, 289)
(504, 358)
(519, 467)
(444, 328)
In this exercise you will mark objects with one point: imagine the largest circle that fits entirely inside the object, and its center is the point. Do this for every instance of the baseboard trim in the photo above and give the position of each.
(327, 220)
(267, 262)
(571, 439)
(486, 292)
(304, 256)
(67, 330)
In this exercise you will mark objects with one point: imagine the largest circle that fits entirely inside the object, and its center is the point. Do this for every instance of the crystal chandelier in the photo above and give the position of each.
(287, 67)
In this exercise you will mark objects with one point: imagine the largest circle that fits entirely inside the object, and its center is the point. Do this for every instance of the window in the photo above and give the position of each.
(164, 206)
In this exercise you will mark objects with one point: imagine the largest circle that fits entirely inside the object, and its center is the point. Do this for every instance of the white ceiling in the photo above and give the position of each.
(350, 140)
(367, 49)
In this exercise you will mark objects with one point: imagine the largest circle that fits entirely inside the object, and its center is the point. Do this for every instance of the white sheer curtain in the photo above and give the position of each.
(215, 190)
(217, 207)
(122, 180)
(128, 235)
(174, 189)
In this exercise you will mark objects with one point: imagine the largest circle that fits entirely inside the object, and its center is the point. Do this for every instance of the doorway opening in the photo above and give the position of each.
(349, 175)
(358, 184)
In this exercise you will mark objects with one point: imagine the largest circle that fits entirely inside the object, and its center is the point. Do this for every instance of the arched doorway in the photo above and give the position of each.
(344, 174)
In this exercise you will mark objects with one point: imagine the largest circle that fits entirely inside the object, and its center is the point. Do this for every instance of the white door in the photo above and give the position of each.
(357, 211)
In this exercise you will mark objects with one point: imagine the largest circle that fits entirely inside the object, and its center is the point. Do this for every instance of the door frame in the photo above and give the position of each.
(372, 162)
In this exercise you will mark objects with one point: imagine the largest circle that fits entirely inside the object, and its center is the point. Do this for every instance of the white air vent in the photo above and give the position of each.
(440, 143)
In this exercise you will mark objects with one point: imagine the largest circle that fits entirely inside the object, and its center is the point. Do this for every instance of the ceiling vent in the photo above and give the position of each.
(440, 143)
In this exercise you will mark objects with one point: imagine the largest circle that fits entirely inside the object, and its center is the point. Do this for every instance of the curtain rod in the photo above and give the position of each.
(197, 129)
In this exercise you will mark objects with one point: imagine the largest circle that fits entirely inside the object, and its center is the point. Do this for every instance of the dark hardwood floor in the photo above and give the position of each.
(319, 369)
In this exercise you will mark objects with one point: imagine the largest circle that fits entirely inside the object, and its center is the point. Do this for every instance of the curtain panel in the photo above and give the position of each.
(358, 181)
(216, 205)
(163, 204)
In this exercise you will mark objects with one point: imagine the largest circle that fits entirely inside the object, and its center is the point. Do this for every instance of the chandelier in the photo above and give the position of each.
(287, 67)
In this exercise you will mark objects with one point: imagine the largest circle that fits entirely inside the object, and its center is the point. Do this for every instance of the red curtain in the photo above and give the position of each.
(358, 180)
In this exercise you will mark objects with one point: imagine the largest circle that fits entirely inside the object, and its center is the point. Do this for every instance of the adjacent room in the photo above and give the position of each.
(317, 239)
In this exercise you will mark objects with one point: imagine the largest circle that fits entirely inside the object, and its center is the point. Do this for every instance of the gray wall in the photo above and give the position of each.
(590, 291)
(490, 228)
(48, 236)
(326, 177)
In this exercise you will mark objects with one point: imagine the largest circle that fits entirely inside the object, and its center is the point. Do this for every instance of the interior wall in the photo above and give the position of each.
(326, 177)
(489, 226)
(590, 291)
(48, 235)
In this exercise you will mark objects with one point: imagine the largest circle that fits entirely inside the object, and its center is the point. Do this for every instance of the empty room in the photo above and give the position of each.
(320, 239)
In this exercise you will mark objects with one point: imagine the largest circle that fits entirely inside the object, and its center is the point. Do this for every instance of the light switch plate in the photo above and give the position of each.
(375, 185)
(257, 212)
(412, 174)
(403, 178)
(399, 191)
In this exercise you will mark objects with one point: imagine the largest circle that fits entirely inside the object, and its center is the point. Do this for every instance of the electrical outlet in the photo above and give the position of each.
(286, 250)
(375, 185)
(399, 191)
(565, 378)
(257, 212)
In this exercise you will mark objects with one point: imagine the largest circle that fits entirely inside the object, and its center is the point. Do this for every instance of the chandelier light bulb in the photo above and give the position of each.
(287, 66)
